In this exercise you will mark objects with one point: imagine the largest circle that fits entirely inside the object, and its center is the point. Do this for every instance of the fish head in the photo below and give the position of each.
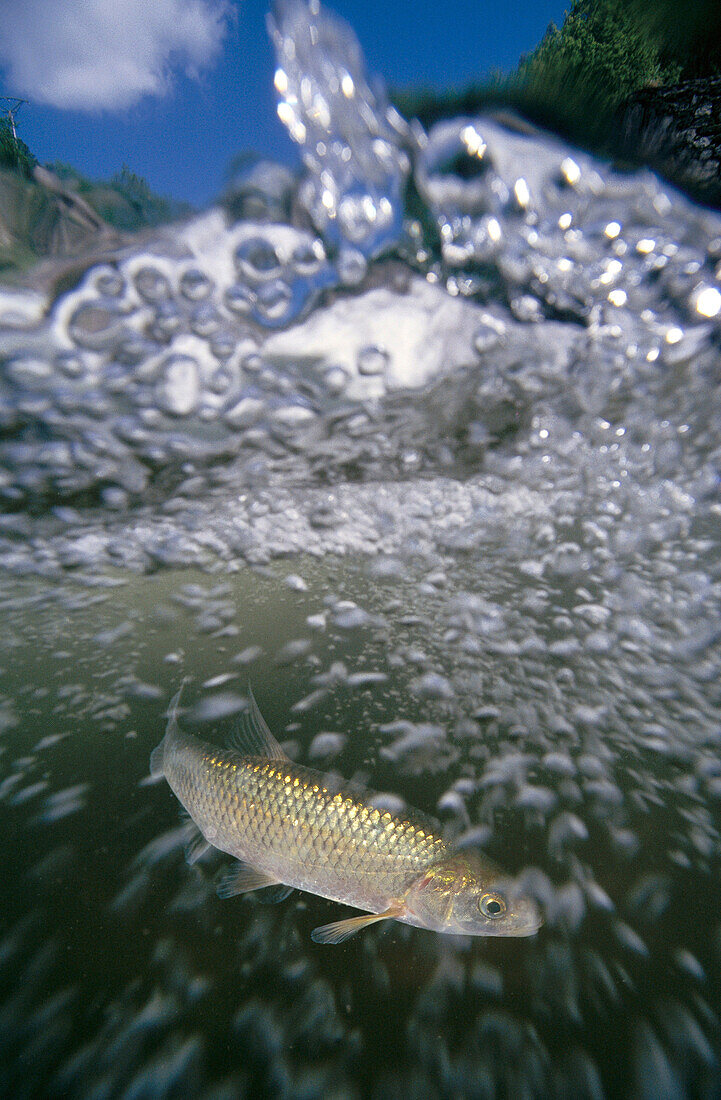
(468, 895)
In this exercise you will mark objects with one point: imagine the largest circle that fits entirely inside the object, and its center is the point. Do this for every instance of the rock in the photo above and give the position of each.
(676, 130)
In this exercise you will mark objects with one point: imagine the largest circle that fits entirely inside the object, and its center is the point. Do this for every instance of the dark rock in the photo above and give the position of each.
(676, 130)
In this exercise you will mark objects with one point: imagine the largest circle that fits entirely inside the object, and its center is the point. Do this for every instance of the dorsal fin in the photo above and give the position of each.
(251, 735)
(158, 753)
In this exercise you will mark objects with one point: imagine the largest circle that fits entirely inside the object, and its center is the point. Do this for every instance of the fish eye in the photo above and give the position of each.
(492, 905)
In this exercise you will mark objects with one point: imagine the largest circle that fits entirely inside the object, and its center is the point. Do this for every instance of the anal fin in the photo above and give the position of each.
(340, 930)
(242, 878)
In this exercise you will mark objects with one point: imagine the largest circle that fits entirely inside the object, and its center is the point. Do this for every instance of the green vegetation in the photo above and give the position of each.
(125, 202)
(42, 217)
(14, 153)
(581, 73)
(142, 207)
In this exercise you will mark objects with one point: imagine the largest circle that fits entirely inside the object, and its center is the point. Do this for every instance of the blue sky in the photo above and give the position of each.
(174, 88)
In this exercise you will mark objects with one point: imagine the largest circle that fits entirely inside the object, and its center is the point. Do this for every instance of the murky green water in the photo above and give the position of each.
(124, 975)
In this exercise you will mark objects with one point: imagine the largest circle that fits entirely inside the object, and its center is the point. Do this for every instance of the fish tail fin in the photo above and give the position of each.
(157, 769)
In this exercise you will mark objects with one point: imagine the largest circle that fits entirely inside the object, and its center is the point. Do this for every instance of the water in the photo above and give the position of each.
(437, 468)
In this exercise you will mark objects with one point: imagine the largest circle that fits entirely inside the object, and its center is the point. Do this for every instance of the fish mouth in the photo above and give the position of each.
(529, 921)
(529, 929)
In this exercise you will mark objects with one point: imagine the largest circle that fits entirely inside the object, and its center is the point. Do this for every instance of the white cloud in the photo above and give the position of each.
(95, 54)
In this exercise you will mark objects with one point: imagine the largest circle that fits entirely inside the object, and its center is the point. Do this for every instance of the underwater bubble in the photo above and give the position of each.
(307, 257)
(415, 740)
(167, 322)
(292, 651)
(248, 655)
(653, 1073)
(257, 260)
(296, 582)
(28, 371)
(707, 301)
(293, 416)
(240, 300)
(205, 320)
(317, 622)
(195, 285)
(348, 616)
(336, 379)
(432, 685)
(527, 309)
(565, 829)
(365, 679)
(453, 170)
(372, 360)
(361, 215)
(489, 335)
(110, 284)
(96, 325)
(178, 390)
(63, 803)
(245, 412)
(688, 963)
(325, 746)
(152, 285)
(352, 267)
(309, 702)
(222, 704)
(222, 381)
(71, 365)
(273, 301)
(223, 342)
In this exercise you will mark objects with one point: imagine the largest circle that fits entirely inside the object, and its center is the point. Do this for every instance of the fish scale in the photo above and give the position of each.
(288, 822)
(291, 826)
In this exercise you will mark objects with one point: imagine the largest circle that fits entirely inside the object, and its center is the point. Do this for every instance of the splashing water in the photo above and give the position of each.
(488, 437)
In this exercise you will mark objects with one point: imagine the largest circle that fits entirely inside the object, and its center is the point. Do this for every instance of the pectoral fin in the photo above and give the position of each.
(241, 879)
(196, 847)
(271, 895)
(341, 929)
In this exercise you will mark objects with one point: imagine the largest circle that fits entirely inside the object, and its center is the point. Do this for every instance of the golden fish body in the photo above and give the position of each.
(290, 824)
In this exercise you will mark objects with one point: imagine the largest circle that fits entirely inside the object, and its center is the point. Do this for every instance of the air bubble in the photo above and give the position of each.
(168, 321)
(110, 284)
(372, 360)
(256, 258)
(274, 300)
(489, 335)
(95, 325)
(245, 412)
(352, 267)
(179, 389)
(307, 257)
(240, 300)
(152, 285)
(336, 379)
(195, 285)
(29, 371)
(205, 321)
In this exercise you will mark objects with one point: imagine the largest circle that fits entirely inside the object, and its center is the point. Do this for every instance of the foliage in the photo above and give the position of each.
(581, 73)
(70, 177)
(14, 153)
(141, 207)
(689, 35)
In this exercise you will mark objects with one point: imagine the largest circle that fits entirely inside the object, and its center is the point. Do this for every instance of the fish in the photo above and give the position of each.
(292, 827)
